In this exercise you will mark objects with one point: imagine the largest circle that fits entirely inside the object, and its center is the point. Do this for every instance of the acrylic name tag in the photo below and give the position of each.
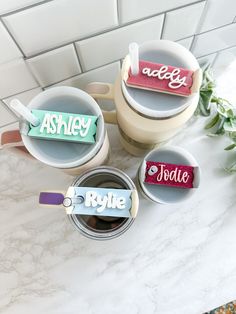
(180, 176)
(63, 126)
(98, 201)
(161, 78)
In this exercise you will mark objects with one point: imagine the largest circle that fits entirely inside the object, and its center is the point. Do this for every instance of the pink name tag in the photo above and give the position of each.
(161, 78)
(180, 176)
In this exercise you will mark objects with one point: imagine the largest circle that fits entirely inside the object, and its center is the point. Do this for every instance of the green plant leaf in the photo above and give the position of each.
(212, 122)
(204, 102)
(224, 121)
(230, 126)
(230, 147)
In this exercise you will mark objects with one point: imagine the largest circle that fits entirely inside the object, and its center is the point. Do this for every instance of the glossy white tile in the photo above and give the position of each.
(224, 60)
(137, 9)
(112, 46)
(54, 66)
(8, 49)
(186, 42)
(182, 22)
(6, 116)
(15, 78)
(106, 74)
(218, 13)
(59, 22)
(207, 60)
(11, 5)
(214, 40)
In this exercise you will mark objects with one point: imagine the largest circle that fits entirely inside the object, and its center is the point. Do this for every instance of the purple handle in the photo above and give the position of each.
(51, 198)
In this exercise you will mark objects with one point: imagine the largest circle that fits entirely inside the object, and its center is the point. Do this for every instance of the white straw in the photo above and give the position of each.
(23, 111)
(134, 58)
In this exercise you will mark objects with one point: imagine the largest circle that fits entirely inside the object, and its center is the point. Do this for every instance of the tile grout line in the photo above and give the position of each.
(81, 65)
(12, 37)
(98, 33)
(137, 20)
(74, 42)
(89, 36)
(163, 26)
(192, 43)
(73, 76)
(26, 8)
(216, 51)
(108, 31)
(120, 61)
(214, 29)
(7, 108)
(199, 25)
(118, 12)
(215, 59)
(32, 73)
(202, 17)
(25, 91)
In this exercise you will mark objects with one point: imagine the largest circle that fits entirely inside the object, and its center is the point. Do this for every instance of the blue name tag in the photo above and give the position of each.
(98, 201)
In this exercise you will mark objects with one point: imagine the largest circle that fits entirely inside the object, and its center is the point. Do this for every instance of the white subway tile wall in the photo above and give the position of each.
(186, 42)
(12, 5)
(218, 13)
(55, 65)
(61, 21)
(9, 51)
(182, 22)
(6, 116)
(112, 46)
(47, 43)
(223, 60)
(131, 10)
(215, 40)
(207, 60)
(15, 78)
(24, 97)
(106, 74)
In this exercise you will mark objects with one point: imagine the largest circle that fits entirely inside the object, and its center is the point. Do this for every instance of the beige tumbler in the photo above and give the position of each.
(147, 119)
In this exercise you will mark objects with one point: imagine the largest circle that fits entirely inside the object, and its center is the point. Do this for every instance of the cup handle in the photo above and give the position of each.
(103, 91)
(12, 139)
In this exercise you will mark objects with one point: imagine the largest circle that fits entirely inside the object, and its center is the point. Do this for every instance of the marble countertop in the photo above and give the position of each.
(178, 259)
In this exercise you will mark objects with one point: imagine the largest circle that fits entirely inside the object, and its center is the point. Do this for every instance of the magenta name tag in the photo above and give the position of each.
(180, 176)
(162, 78)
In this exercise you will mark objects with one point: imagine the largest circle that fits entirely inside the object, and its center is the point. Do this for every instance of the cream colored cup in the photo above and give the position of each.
(72, 158)
(141, 127)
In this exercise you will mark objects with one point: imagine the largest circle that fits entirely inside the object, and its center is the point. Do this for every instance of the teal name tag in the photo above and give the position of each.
(98, 201)
(63, 126)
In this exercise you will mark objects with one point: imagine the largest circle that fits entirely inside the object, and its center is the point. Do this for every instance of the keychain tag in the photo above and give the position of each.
(61, 126)
(160, 78)
(98, 201)
(94, 201)
(173, 175)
